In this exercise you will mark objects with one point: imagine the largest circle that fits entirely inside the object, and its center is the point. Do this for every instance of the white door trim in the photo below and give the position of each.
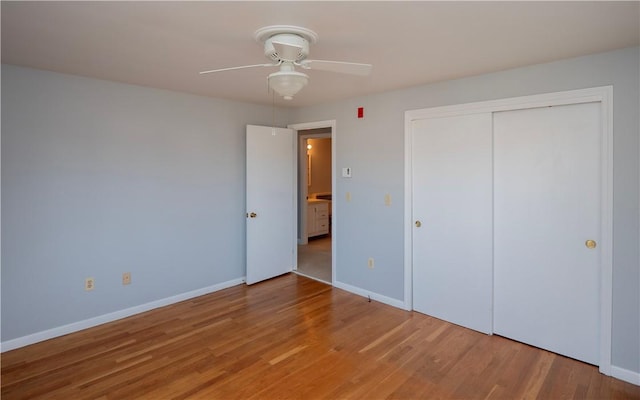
(334, 215)
(602, 95)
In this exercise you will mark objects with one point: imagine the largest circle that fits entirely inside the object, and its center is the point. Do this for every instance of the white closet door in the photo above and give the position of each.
(547, 205)
(452, 249)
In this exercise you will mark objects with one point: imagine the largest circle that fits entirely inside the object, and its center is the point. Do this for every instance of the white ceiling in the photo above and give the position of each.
(165, 44)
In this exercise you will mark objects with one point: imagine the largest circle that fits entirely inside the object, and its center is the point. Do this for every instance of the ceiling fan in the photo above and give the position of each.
(288, 47)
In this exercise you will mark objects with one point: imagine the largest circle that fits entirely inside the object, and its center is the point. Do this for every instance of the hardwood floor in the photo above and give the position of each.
(293, 338)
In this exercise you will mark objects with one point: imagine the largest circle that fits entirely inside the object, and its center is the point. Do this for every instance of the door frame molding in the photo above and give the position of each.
(334, 215)
(602, 95)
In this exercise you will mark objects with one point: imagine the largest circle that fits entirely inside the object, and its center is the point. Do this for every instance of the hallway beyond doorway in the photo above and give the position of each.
(314, 258)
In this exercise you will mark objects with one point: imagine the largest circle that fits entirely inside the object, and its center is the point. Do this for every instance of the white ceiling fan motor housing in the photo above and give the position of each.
(291, 48)
(285, 42)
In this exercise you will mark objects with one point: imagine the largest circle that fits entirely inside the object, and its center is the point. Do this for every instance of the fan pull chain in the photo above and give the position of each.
(273, 112)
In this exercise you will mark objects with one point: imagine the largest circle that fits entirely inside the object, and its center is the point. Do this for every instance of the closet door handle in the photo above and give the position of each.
(418, 224)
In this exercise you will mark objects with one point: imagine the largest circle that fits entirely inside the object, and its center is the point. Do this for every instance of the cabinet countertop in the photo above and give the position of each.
(310, 201)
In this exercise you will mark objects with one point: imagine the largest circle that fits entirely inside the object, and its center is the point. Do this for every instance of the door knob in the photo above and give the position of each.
(418, 224)
(591, 244)
(252, 215)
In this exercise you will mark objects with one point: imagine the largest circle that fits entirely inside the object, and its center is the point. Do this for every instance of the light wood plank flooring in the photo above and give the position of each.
(293, 338)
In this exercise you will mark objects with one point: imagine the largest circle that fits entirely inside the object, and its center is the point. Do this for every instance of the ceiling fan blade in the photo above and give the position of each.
(241, 67)
(287, 51)
(338, 66)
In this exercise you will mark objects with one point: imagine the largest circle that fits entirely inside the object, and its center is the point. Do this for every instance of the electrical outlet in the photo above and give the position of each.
(89, 284)
(126, 278)
(387, 199)
(370, 262)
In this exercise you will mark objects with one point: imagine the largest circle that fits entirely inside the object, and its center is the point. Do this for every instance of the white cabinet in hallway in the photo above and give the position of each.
(317, 217)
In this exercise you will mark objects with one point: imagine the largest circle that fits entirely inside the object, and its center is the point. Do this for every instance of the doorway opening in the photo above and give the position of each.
(315, 202)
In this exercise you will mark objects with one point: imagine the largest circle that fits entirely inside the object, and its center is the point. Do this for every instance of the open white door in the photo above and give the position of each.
(271, 204)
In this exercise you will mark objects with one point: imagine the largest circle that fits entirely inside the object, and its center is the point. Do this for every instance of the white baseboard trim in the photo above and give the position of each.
(625, 375)
(113, 316)
(616, 372)
(373, 296)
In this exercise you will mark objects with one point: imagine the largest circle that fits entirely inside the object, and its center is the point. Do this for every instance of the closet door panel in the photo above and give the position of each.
(452, 204)
(547, 208)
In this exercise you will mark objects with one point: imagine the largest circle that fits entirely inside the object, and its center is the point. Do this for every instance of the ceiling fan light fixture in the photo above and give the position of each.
(287, 83)
(287, 47)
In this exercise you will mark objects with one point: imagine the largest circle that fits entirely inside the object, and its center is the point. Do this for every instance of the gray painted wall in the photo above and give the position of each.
(99, 178)
(321, 165)
(374, 149)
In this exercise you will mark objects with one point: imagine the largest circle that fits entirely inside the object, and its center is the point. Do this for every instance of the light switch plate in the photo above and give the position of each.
(346, 172)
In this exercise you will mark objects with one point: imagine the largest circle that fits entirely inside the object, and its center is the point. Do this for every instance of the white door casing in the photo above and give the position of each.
(547, 205)
(603, 97)
(452, 203)
(334, 185)
(270, 203)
